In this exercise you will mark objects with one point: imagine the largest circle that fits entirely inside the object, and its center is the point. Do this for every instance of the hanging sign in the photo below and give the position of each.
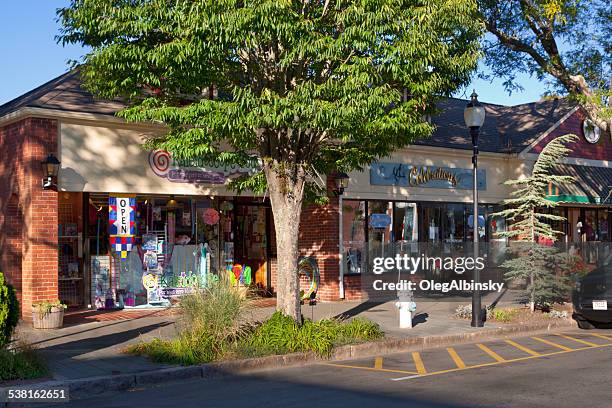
(121, 219)
(381, 221)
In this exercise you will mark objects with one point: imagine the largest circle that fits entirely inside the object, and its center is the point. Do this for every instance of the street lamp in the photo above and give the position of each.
(50, 170)
(474, 116)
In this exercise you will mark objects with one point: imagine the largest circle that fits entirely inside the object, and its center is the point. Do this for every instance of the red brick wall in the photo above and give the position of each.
(319, 238)
(601, 150)
(28, 220)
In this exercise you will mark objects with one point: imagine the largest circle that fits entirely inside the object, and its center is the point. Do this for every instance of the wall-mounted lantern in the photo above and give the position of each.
(50, 168)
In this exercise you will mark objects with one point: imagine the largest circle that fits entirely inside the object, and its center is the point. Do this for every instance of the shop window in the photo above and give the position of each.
(481, 225)
(353, 235)
(380, 227)
(405, 222)
(589, 225)
(431, 222)
(454, 225)
(497, 223)
(603, 224)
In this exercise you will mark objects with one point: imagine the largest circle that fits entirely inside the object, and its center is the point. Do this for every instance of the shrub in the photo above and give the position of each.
(21, 363)
(503, 315)
(9, 311)
(209, 326)
(280, 334)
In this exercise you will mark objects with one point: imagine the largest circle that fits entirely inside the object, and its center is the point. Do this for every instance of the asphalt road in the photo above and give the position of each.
(573, 369)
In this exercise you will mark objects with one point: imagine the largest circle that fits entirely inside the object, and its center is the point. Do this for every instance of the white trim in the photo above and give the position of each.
(574, 160)
(547, 132)
(27, 112)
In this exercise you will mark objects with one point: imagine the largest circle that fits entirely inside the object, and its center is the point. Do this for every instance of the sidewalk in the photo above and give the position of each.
(94, 348)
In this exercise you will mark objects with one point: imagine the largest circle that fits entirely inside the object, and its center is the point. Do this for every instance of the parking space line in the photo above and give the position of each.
(601, 336)
(588, 343)
(523, 348)
(383, 370)
(378, 363)
(491, 353)
(550, 343)
(458, 361)
(492, 364)
(418, 362)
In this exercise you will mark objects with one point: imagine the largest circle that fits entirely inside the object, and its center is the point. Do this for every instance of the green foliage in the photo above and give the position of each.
(9, 311)
(22, 363)
(281, 334)
(583, 27)
(503, 315)
(567, 43)
(544, 269)
(209, 326)
(314, 84)
(527, 222)
(44, 307)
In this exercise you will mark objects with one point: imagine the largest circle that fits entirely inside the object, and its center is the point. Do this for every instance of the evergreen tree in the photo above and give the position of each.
(528, 224)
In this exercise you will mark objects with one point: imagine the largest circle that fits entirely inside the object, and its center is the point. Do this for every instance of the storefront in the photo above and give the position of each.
(130, 227)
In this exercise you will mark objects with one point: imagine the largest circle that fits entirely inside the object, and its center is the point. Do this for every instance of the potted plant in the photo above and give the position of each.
(48, 314)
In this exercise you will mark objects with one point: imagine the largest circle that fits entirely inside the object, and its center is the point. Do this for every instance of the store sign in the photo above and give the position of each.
(399, 174)
(196, 171)
(381, 221)
(121, 219)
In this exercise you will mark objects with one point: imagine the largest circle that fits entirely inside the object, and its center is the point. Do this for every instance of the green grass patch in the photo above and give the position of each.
(210, 330)
(22, 363)
(504, 315)
(280, 334)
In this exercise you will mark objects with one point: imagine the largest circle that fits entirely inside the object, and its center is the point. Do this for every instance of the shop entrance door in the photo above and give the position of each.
(251, 243)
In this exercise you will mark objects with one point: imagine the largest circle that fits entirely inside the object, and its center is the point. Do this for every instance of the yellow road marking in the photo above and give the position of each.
(418, 363)
(458, 361)
(588, 343)
(491, 353)
(523, 348)
(601, 336)
(550, 343)
(498, 363)
(378, 363)
(385, 370)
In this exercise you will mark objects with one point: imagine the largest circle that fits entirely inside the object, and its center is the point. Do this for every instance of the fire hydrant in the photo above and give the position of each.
(406, 307)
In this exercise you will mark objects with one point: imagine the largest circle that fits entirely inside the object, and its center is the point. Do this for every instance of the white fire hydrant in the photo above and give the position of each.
(406, 307)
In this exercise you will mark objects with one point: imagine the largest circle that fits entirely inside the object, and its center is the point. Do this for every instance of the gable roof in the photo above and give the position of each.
(507, 129)
(63, 93)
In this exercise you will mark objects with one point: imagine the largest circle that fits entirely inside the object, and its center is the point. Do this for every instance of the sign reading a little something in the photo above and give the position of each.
(399, 174)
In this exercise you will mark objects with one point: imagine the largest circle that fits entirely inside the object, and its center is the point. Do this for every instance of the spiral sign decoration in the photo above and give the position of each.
(160, 160)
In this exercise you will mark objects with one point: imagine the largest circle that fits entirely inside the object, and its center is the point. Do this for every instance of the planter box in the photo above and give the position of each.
(52, 320)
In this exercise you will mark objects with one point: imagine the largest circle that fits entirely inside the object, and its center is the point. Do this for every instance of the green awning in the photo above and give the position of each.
(592, 185)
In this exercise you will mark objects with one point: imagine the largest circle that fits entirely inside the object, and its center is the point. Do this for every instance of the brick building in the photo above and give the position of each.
(182, 219)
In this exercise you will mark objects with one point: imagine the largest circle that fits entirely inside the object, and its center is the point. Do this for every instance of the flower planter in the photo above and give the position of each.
(54, 319)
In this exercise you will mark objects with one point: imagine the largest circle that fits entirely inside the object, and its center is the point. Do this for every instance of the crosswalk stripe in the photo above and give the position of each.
(522, 348)
(491, 353)
(378, 363)
(601, 336)
(550, 343)
(588, 343)
(458, 361)
(420, 367)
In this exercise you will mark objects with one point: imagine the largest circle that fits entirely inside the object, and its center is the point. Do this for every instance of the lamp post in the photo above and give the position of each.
(474, 116)
(50, 170)
(341, 182)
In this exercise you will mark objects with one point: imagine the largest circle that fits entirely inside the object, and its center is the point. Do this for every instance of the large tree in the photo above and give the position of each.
(309, 87)
(566, 42)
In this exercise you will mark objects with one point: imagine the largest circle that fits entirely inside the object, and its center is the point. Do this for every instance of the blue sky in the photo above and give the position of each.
(31, 56)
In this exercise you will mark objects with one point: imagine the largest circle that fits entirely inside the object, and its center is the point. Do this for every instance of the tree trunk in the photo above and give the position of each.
(286, 189)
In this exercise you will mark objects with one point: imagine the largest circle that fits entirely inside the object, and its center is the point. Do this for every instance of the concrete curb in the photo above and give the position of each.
(87, 387)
